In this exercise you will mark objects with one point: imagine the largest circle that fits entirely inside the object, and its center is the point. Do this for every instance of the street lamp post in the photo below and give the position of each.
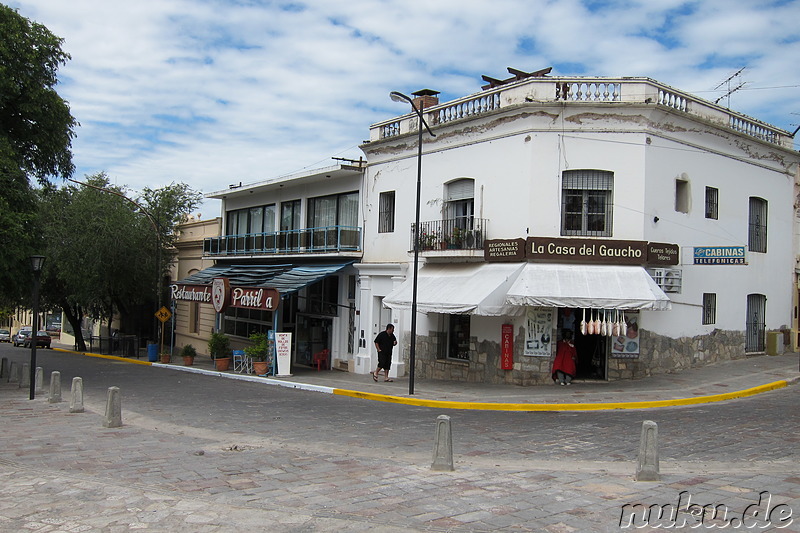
(412, 354)
(37, 261)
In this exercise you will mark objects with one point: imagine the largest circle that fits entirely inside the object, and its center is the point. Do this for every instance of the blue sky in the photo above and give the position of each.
(212, 92)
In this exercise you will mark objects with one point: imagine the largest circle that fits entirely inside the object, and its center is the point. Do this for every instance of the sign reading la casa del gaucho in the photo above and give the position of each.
(222, 295)
(557, 249)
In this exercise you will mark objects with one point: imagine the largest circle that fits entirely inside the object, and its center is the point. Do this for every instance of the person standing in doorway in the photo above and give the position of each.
(384, 343)
(565, 364)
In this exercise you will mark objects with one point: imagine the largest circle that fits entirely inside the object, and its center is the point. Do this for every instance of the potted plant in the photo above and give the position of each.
(188, 353)
(259, 353)
(165, 358)
(457, 238)
(219, 346)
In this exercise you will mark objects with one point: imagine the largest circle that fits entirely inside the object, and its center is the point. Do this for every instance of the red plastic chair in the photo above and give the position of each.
(321, 359)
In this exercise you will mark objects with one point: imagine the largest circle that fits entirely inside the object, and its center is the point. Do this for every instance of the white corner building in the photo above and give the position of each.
(656, 226)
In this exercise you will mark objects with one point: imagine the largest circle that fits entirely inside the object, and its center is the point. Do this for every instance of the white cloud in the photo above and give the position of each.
(213, 92)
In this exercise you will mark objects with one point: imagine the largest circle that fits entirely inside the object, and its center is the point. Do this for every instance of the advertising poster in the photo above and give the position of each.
(538, 329)
(626, 345)
(283, 349)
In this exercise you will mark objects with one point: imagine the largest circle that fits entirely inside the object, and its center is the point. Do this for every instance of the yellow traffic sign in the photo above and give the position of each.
(163, 314)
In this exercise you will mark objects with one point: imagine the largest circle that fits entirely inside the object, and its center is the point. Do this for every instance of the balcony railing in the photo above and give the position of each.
(327, 239)
(463, 233)
(581, 91)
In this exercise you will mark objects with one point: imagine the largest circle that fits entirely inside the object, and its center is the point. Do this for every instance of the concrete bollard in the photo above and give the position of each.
(13, 374)
(25, 376)
(76, 396)
(113, 409)
(443, 445)
(647, 467)
(55, 387)
(39, 380)
(4, 368)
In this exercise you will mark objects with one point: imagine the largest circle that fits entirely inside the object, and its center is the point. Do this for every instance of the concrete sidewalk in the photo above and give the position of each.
(717, 382)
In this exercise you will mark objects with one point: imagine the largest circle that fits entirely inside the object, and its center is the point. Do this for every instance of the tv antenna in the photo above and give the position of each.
(731, 90)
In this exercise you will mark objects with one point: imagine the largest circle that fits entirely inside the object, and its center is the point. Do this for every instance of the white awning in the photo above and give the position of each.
(589, 286)
(469, 288)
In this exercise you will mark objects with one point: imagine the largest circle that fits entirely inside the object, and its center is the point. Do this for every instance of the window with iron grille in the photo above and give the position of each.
(386, 212)
(709, 308)
(757, 235)
(587, 202)
(712, 203)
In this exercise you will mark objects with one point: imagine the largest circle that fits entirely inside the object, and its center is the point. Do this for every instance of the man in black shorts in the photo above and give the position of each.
(384, 343)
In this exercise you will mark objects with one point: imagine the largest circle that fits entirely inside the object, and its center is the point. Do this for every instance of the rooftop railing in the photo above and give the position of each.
(583, 90)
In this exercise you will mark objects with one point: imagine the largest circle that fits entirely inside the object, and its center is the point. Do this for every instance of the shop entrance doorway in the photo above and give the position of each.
(592, 349)
(313, 336)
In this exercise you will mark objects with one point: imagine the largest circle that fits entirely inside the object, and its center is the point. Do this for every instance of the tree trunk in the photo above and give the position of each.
(75, 318)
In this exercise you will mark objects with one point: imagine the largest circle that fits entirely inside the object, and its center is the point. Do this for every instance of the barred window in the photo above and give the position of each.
(709, 308)
(757, 235)
(587, 202)
(386, 212)
(712, 203)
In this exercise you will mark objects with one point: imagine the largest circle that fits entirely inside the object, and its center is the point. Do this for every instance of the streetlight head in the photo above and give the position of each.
(37, 261)
(399, 97)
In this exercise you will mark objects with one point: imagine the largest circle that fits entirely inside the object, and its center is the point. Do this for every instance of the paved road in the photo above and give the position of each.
(208, 454)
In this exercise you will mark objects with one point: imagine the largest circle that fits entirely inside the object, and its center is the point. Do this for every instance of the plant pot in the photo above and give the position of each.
(165, 358)
(188, 360)
(222, 363)
(260, 367)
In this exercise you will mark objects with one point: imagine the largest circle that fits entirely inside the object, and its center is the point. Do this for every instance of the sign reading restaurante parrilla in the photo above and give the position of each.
(557, 249)
(245, 297)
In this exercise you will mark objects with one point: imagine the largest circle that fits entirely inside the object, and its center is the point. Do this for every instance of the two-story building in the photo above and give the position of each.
(656, 226)
(285, 252)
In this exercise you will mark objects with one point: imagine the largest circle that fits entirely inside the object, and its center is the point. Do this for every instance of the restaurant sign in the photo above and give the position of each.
(222, 295)
(565, 250)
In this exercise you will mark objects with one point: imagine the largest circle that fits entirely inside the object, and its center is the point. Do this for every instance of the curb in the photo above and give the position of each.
(482, 406)
(441, 404)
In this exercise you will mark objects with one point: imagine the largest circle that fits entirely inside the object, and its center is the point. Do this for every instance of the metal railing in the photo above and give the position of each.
(309, 240)
(462, 233)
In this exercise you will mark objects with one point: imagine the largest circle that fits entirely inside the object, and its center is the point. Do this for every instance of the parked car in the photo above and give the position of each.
(42, 339)
(20, 337)
(5, 335)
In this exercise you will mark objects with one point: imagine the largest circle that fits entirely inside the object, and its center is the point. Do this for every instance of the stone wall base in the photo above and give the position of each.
(659, 355)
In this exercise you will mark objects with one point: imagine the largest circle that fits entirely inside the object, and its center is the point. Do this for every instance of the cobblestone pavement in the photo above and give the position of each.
(198, 453)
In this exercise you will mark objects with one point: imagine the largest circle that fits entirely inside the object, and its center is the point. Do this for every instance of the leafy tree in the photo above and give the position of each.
(36, 127)
(107, 253)
(36, 132)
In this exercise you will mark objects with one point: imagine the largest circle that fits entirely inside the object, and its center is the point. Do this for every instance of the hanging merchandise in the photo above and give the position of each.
(615, 324)
(597, 323)
(590, 324)
(603, 326)
(583, 323)
(609, 325)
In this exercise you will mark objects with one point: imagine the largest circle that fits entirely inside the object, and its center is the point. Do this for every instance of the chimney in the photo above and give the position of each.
(425, 98)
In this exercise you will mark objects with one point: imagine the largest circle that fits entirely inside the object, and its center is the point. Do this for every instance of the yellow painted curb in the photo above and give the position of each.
(101, 356)
(562, 406)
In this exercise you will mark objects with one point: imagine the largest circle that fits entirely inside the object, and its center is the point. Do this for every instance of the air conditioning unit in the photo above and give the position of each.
(668, 279)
